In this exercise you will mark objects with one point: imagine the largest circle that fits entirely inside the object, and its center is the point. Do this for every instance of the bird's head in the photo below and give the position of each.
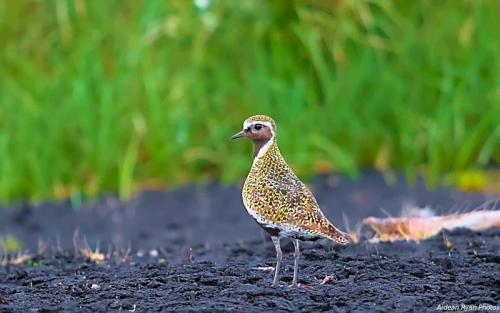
(259, 128)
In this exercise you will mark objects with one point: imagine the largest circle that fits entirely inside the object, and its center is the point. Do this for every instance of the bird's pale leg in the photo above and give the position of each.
(296, 262)
(279, 257)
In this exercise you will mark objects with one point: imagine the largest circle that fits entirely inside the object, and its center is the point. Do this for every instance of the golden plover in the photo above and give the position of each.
(277, 199)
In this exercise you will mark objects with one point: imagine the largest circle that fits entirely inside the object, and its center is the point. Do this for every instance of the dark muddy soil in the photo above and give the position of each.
(196, 249)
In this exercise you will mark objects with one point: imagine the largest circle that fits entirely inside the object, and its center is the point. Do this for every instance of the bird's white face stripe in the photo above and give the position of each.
(268, 124)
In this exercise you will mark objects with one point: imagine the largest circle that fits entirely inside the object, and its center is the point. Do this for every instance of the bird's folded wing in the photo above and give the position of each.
(300, 209)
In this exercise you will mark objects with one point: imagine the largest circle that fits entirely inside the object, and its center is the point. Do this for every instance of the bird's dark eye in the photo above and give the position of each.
(257, 126)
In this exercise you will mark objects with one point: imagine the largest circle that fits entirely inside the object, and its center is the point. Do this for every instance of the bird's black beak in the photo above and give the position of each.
(238, 135)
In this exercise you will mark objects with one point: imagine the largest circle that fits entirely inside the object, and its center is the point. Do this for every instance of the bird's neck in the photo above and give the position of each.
(264, 147)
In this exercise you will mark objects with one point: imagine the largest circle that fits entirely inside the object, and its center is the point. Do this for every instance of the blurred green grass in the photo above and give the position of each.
(100, 96)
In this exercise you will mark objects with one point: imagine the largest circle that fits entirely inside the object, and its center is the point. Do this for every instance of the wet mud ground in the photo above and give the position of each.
(196, 249)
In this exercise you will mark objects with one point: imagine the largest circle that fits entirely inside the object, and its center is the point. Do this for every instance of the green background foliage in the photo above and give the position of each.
(99, 96)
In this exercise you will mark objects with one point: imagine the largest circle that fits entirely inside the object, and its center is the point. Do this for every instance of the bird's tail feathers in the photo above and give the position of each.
(337, 235)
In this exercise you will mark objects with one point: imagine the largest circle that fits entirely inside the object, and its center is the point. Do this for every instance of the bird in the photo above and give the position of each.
(277, 199)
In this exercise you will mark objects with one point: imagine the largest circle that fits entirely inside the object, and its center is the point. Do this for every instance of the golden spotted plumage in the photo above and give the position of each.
(279, 201)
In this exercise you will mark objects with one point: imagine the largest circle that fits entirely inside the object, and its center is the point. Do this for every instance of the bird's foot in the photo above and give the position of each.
(277, 285)
(294, 285)
(300, 286)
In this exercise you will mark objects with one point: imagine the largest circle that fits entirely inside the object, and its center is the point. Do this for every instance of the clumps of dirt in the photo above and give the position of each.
(385, 277)
(196, 249)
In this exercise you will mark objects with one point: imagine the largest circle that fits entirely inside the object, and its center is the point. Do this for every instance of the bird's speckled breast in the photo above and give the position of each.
(258, 193)
(278, 200)
(272, 192)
